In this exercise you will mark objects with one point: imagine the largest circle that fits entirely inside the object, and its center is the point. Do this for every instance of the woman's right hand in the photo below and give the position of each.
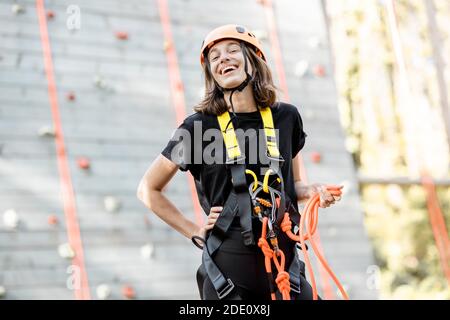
(209, 224)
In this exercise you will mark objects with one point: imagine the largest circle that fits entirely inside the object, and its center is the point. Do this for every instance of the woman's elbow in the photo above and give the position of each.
(143, 194)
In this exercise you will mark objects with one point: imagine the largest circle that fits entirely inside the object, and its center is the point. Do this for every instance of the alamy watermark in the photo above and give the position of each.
(207, 147)
(73, 281)
(374, 279)
(73, 21)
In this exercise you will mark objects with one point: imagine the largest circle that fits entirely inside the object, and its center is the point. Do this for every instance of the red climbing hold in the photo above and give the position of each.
(52, 220)
(83, 163)
(128, 292)
(316, 157)
(167, 45)
(50, 14)
(122, 35)
(319, 70)
(71, 96)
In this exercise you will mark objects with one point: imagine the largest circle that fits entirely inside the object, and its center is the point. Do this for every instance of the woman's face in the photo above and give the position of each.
(227, 63)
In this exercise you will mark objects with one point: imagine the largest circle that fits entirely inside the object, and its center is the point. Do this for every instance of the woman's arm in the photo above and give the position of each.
(301, 189)
(160, 172)
(304, 192)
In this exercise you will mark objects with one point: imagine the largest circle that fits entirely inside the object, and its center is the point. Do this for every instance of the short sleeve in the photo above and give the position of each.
(180, 148)
(298, 135)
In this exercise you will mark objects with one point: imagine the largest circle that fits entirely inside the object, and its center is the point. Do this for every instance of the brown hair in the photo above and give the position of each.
(264, 91)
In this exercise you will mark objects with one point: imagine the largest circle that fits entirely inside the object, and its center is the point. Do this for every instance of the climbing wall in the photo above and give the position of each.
(71, 157)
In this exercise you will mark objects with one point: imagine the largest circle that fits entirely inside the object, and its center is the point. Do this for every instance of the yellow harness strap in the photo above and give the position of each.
(230, 139)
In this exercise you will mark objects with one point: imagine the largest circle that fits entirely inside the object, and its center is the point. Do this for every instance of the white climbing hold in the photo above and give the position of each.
(100, 82)
(65, 251)
(11, 219)
(17, 9)
(332, 231)
(309, 114)
(301, 68)
(147, 251)
(347, 186)
(2, 292)
(314, 42)
(351, 144)
(46, 131)
(112, 204)
(261, 35)
(103, 291)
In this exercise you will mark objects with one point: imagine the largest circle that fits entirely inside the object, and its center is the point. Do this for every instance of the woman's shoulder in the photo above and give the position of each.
(197, 116)
(285, 109)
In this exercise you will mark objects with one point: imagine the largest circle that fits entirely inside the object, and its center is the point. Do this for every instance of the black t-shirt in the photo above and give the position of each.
(213, 180)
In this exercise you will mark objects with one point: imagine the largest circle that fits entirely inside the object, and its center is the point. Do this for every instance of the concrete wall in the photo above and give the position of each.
(123, 126)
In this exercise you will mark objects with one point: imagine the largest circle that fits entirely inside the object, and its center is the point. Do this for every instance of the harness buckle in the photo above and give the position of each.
(223, 292)
(248, 238)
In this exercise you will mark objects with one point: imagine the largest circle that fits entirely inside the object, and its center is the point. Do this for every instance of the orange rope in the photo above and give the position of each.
(176, 88)
(279, 67)
(282, 279)
(67, 192)
(438, 226)
(309, 219)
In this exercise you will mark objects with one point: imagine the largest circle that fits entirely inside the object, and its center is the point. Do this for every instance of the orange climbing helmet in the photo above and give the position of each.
(231, 31)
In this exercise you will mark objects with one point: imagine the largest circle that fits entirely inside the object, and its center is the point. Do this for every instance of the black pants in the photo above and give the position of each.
(245, 267)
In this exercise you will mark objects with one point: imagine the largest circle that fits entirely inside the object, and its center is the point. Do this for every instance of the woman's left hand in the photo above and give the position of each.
(326, 198)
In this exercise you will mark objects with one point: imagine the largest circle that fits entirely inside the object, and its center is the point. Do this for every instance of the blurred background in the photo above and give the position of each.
(91, 91)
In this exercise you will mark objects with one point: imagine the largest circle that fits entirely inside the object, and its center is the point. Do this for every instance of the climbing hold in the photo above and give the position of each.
(11, 219)
(332, 231)
(352, 144)
(17, 9)
(83, 163)
(128, 292)
(316, 157)
(2, 292)
(122, 35)
(167, 45)
(147, 251)
(179, 86)
(314, 42)
(309, 114)
(50, 14)
(70, 96)
(319, 70)
(112, 204)
(301, 68)
(100, 83)
(65, 251)
(261, 35)
(347, 185)
(46, 131)
(103, 291)
(52, 220)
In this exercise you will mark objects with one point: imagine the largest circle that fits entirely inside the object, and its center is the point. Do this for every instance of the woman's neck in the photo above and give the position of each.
(243, 101)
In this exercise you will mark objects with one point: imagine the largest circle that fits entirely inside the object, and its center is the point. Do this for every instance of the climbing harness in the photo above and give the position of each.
(260, 200)
(267, 203)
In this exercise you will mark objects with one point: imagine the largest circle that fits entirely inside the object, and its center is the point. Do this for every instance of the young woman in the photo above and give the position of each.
(238, 91)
